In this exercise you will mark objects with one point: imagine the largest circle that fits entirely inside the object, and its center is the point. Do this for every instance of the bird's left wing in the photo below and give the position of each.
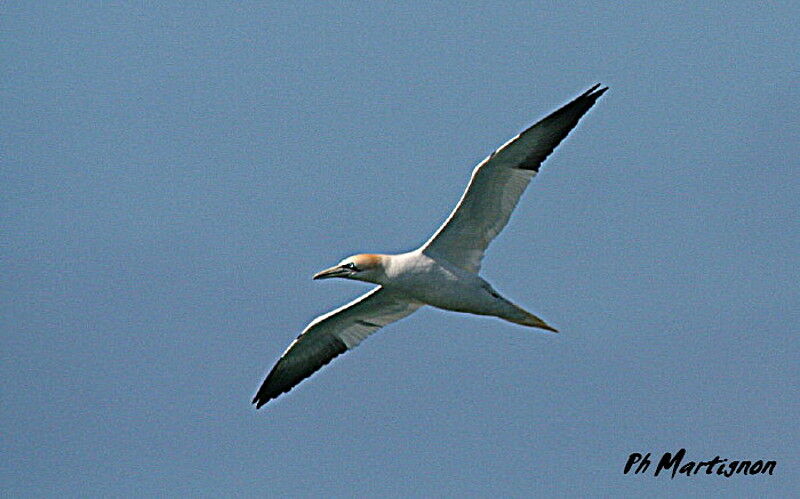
(331, 334)
(497, 184)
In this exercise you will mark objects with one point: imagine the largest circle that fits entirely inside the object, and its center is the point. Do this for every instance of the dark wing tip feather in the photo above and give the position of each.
(564, 120)
(285, 376)
(595, 87)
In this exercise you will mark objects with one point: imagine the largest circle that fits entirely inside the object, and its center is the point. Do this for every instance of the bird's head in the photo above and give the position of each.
(363, 267)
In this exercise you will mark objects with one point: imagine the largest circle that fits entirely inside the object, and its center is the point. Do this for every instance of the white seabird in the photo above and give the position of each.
(443, 272)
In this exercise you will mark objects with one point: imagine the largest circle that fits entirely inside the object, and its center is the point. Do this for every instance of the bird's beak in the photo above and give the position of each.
(331, 272)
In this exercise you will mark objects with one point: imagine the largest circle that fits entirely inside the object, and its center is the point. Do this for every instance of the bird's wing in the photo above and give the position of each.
(497, 184)
(331, 334)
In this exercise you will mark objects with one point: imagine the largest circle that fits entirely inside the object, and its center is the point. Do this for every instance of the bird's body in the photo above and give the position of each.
(420, 278)
(443, 273)
(441, 285)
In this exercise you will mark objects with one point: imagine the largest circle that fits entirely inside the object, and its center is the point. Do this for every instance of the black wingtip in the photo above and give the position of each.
(262, 398)
(591, 92)
(286, 374)
(563, 120)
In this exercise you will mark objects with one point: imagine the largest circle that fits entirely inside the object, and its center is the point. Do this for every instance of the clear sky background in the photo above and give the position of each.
(173, 175)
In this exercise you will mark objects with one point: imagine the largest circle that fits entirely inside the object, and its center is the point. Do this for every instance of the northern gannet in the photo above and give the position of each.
(443, 272)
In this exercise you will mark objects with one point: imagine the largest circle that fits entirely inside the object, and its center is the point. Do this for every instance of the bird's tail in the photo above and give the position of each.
(526, 318)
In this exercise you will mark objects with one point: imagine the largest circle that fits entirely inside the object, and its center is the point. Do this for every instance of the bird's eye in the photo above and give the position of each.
(351, 266)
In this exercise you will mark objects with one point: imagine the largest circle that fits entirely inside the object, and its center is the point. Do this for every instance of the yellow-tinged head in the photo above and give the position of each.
(363, 267)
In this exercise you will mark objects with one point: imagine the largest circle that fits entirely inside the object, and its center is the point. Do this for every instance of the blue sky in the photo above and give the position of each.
(173, 176)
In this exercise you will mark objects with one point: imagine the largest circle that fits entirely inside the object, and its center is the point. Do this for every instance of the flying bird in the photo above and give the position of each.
(443, 272)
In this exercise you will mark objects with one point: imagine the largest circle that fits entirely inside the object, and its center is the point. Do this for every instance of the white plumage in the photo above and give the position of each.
(442, 273)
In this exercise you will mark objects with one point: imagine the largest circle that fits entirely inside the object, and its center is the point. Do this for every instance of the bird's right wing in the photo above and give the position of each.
(331, 334)
(497, 184)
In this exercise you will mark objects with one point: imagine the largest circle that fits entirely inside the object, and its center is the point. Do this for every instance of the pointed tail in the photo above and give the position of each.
(528, 319)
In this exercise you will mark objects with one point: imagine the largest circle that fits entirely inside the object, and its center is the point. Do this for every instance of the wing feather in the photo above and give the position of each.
(330, 335)
(498, 182)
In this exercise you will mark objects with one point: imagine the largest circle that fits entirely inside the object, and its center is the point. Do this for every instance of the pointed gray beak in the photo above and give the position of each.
(332, 272)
